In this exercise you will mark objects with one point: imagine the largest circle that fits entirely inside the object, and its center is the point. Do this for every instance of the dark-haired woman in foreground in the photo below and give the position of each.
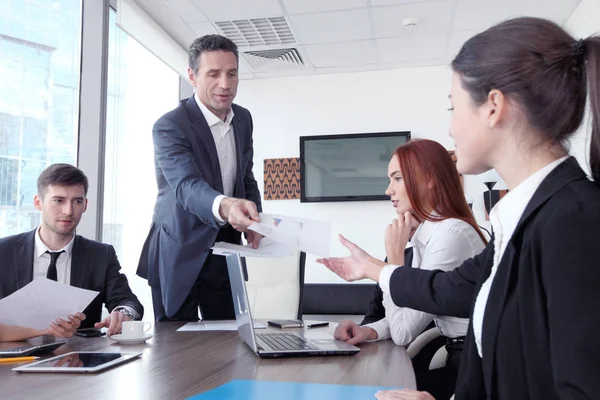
(518, 93)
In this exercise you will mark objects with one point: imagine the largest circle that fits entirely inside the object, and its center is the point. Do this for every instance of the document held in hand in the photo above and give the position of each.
(310, 236)
(43, 301)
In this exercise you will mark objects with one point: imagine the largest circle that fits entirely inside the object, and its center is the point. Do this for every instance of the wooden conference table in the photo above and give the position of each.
(177, 365)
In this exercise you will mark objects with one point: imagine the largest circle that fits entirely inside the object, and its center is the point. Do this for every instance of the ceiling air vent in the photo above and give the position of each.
(258, 31)
(275, 58)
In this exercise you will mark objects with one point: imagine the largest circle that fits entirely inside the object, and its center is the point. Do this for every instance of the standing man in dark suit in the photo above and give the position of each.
(55, 252)
(206, 190)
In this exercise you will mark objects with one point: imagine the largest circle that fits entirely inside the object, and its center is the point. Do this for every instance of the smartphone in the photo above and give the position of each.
(316, 324)
(89, 332)
(285, 323)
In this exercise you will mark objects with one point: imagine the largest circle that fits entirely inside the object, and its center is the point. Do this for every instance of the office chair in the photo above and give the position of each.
(275, 286)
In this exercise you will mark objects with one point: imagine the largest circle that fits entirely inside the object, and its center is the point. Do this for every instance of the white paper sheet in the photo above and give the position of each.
(310, 236)
(214, 326)
(43, 301)
(266, 248)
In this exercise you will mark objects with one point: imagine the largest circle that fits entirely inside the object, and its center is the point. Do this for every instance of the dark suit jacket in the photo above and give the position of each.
(376, 309)
(94, 266)
(189, 178)
(542, 318)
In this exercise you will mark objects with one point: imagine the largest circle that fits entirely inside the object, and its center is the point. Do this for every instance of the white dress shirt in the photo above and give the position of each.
(41, 260)
(442, 245)
(222, 132)
(504, 218)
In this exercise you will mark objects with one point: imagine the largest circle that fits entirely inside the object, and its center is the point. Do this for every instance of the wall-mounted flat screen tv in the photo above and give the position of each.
(348, 167)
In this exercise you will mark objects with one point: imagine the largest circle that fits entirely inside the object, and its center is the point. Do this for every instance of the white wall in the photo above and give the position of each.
(407, 99)
(284, 109)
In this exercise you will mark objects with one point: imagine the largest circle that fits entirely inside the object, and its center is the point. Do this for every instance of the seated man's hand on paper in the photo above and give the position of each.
(240, 213)
(64, 328)
(113, 323)
(405, 394)
(351, 333)
(358, 265)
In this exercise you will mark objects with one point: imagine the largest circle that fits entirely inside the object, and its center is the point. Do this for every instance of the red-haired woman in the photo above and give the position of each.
(424, 182)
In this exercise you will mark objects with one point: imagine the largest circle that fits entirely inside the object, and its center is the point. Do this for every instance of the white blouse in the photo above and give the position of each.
(442, 245)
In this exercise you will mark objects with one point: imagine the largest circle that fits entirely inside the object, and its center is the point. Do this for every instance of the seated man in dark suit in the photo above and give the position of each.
(55, 252)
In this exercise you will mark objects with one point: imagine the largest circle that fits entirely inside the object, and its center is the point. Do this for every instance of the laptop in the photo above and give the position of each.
(271, 345)
(33, 346)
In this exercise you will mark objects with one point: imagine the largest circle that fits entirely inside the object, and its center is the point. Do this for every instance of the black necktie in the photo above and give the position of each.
(408, 256)
(51, 274)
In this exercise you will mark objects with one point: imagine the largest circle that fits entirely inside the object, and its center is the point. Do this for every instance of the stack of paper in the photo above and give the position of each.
(306, 235)
(42, 302)
(266, 248)
(228, 325)
(282, 235)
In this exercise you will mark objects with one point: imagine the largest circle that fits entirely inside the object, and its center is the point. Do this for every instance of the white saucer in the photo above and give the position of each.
(125, 340)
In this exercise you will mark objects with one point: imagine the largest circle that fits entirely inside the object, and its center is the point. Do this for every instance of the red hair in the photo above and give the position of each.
(424, 162)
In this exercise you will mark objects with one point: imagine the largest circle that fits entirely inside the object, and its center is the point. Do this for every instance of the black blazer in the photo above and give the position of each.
(376, 309)
(189, 178)
(542, 318)
(94, 266)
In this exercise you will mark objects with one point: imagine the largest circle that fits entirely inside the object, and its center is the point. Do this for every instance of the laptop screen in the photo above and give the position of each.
(243, 316)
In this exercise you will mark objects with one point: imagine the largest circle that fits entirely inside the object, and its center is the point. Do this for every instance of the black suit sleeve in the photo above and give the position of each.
(116, 289)
(570, 274)
(438, 292)
(173, 152)
(376, 310)
(250, 185)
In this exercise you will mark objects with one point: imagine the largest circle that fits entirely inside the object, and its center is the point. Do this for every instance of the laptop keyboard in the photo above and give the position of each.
(285, 341)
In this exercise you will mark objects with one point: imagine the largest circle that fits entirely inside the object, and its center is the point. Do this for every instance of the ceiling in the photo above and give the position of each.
(334, 36)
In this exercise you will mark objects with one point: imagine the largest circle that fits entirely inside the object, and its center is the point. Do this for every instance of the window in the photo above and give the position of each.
(39, 90)
(141, 88)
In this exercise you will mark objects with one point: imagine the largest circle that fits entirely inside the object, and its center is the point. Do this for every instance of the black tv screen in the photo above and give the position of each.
(349, 167)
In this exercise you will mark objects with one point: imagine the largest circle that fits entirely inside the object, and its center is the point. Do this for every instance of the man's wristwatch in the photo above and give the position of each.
(125, 312)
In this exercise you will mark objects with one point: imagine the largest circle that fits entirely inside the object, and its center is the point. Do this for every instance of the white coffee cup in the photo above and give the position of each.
(134, 329)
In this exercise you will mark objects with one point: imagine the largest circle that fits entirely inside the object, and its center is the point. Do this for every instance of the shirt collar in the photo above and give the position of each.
(41, 248)
(212, 119)
(508, 211)
(424, 232)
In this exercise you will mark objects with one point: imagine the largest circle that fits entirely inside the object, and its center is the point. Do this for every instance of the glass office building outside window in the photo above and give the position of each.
(39, 95)
(141, 88)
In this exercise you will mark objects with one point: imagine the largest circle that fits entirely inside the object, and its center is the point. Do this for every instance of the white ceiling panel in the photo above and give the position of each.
(376, 3)
(344, 35)
(481, 14)
(387, 21)
(342, 54)
(341, 26)
(203, 28)
(186, 10)
(224, 10)
(406, 49)
(283, 73)
(171, 22)
(313, 6)
(457, 39)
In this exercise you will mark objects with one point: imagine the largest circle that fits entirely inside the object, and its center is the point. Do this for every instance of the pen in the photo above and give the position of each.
(17, 359)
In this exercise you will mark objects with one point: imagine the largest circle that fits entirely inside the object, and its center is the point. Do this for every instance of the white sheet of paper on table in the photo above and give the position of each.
(214, 326)
(310, 236)
(43, 301)
(266, 248)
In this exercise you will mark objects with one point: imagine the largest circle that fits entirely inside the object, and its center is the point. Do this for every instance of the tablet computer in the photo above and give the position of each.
(33, 346)
(79, 361)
